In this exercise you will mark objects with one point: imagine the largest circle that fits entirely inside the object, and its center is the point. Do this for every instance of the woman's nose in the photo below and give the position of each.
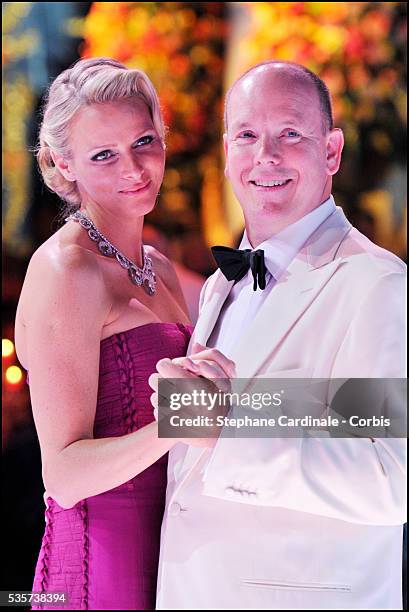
(132, 168)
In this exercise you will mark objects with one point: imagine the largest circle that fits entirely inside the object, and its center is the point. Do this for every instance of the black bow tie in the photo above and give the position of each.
(235, 264)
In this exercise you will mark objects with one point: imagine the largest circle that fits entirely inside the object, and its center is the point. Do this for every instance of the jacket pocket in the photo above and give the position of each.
(287, 585)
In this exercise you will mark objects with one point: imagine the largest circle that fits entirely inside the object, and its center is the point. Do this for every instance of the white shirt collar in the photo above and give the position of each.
(280, 249)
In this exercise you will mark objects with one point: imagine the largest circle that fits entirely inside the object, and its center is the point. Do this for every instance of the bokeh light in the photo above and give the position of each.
(14, 375)
(7, 347)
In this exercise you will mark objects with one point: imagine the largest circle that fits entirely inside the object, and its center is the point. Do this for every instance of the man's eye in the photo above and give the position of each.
(143, 141)
(246, 135)
(102, 156)
(291, 133)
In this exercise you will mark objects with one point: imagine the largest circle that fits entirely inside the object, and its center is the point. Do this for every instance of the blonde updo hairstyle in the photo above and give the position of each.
(88, 81)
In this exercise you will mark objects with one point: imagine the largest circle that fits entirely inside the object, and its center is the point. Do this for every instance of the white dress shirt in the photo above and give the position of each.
(243, 302)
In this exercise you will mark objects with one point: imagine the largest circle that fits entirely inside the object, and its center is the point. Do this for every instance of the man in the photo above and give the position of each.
(294, 523)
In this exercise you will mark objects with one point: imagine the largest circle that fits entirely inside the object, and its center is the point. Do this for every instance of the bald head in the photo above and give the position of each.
(296, 74)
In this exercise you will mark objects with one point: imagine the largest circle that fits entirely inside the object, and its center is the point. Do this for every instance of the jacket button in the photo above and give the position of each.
(174, 509)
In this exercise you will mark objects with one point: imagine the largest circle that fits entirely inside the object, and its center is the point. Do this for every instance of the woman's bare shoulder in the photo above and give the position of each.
(62, 268)
(63, 257)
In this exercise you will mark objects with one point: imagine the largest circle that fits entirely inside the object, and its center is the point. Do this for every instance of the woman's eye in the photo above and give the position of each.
(143, 141)
(102, 156)
(105, 155)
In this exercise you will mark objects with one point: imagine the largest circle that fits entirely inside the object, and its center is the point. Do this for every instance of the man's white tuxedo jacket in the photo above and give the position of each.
(297, 523)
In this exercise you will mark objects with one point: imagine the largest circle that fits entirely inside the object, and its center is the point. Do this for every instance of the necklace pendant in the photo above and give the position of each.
(135, 275)
(151, 282)
(147, 280)
(149, 288)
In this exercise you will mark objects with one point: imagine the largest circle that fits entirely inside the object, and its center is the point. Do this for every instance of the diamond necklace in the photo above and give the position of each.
(144, 277)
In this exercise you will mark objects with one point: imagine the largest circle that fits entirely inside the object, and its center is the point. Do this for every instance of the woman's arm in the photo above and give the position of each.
(66, 305)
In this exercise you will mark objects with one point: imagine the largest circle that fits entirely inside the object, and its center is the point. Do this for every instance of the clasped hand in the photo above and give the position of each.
(215, 371)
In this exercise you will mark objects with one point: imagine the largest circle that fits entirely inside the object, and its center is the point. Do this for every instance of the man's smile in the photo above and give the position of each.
(270, 185)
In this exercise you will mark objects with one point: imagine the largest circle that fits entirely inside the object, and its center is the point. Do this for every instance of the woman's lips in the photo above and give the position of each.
(136, 190)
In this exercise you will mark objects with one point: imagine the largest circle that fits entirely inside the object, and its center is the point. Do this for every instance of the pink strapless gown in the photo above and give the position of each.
(103, 553)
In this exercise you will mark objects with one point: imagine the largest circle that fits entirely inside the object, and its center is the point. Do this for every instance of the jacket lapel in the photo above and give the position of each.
(297, 288)
(288, 300)
(216, 296)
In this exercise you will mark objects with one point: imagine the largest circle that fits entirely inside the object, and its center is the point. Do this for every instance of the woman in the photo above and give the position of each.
(97, 311)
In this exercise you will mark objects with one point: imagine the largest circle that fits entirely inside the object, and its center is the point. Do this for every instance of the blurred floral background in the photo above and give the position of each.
(192, 51)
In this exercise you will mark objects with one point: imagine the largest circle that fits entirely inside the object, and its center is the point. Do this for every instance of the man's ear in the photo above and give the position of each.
(335, 144)
(226, 151)
(63, 166)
